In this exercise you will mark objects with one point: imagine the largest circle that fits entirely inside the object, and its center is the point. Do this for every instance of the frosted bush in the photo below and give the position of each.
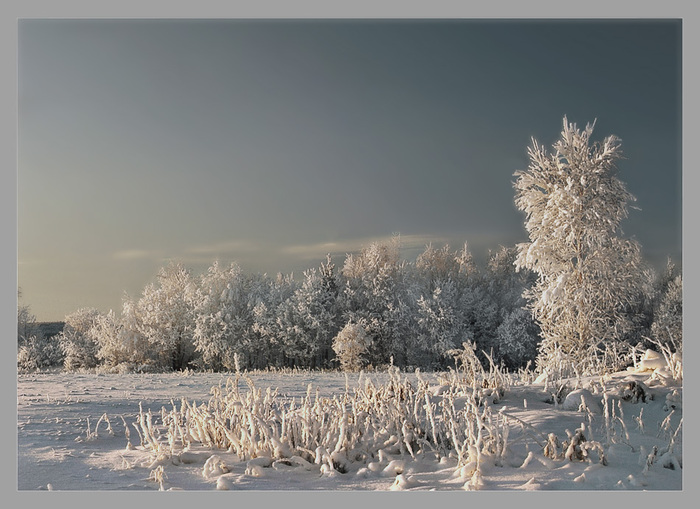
(38, 352)
(349, 346)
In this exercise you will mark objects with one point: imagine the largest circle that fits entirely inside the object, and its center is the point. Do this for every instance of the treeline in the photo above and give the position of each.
(412, 314)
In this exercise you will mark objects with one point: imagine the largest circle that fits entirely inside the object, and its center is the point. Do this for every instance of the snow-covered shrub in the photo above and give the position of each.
(77, 339)
(349, 346)
(34, 350)
(38, 352)
(377, 425)
(470, 374)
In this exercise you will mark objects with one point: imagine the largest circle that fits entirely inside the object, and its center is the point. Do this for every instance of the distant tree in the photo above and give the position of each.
(518, 337)
(111, 351)
(167, 318)
(222, 316)
(268, 339)
(77, 339)
(350, 345)
(440, 322)
(120, 345)
(587, 273)
(312, 317)
(26, 321)
(373, 258)
(481, 316)
(513, 331)
(667, 327)
(34, 349)
(374, 295)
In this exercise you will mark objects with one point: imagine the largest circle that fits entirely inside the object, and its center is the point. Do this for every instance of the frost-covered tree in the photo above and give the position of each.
(517, 338)
(374, 295)
(436, 266)
(26, 321)
(371, 259)
(667, 327)
(120, 345)
(514, 333)
(166, 316)
(267, 330)
(350, 345)
(480, 313)
(78, 341)
(111, 351)
(440, 322)
(441, 280)
(312, 317)
(587, 273)
(34, 349)
(222, 316)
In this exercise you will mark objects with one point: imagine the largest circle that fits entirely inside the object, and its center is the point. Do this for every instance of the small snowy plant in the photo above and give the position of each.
(349, 345)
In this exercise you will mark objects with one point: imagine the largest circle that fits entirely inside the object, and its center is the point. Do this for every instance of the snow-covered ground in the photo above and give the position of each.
(71, 436)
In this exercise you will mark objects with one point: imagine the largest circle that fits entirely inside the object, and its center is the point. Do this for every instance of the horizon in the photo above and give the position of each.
(273, 143)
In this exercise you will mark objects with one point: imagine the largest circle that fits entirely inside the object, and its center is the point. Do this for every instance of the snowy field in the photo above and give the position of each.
(72, 436)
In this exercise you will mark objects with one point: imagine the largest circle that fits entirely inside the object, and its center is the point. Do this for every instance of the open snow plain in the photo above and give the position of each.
(72, 435)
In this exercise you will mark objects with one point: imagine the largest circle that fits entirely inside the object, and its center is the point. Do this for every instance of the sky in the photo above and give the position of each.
(273, 142)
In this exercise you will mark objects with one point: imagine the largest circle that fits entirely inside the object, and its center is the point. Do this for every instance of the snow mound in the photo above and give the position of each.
(531, 485)
(214, 466)
(651, 361)
(579, 398)
(226, 482)
(403, 482)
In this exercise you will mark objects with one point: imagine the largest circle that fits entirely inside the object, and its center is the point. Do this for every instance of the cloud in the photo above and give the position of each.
(135, 254)
(227, 247)
(318, 250)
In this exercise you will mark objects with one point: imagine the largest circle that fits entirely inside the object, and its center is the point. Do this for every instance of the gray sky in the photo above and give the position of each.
(272, 143)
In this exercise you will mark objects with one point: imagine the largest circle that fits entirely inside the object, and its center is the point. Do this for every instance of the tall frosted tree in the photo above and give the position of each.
(444, 277)
(166, 315)
(374, 295)
(587, 273)
(221, 316)
(440, 324)
(268, 333)
(315, 306)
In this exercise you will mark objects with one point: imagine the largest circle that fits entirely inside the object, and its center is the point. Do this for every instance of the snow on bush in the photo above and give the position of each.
(378, 430)
(37, 352)
(349, 346)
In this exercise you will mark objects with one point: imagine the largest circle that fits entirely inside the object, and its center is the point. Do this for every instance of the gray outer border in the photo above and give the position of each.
(592, 9)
